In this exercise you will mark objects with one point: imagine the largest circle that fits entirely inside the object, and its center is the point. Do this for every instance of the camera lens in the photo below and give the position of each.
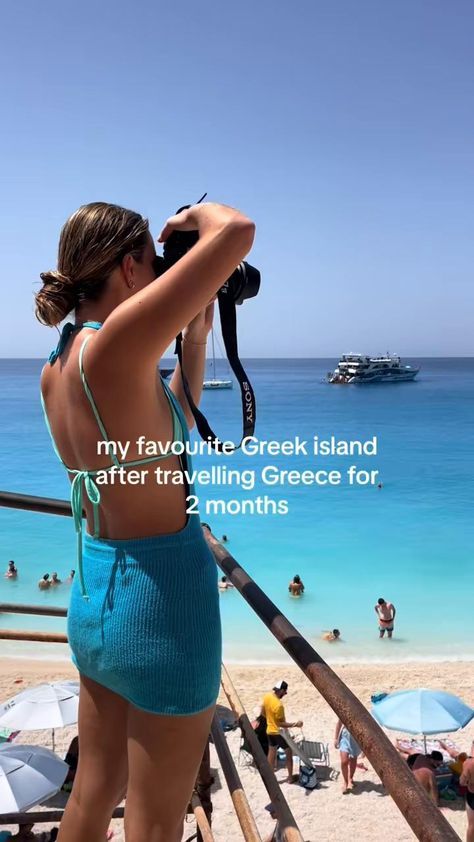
(243, 283)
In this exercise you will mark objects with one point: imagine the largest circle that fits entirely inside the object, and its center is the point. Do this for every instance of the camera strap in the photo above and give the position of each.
(229, 335)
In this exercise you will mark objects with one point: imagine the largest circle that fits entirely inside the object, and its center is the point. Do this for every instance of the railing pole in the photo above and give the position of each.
(239, 799)
(204, 829)
(43, 816)
(202, 791)
(38, 636)
(45, 610)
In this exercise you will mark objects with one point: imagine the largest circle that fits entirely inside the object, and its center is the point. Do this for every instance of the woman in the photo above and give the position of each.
(349, 752)
(147, 653)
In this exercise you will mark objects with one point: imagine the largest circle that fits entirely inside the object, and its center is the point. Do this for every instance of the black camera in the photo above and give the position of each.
(243, 283)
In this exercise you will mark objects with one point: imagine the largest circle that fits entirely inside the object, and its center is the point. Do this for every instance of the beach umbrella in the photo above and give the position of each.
(45, 706)
(422, 712)
(28, 775)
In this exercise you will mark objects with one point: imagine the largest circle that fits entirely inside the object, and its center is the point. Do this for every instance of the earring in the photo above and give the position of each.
(132, 285)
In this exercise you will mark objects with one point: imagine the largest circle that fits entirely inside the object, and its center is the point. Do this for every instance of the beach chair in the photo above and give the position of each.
(318, 755)
(317, 752)
(306, 761)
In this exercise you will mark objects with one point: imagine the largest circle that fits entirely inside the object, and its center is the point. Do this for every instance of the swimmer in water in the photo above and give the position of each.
(224, 585)
(12, 571)
(296, 587)
(44, 584)
(331, 636)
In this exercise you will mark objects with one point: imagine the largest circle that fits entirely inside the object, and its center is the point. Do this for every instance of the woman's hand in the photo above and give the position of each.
(208, 215)
(198, 329)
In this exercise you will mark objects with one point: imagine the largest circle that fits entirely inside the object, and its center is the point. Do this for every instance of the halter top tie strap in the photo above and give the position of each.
(82, 478)
(67, 331)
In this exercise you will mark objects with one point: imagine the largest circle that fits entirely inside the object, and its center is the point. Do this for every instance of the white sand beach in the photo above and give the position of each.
(324, 815)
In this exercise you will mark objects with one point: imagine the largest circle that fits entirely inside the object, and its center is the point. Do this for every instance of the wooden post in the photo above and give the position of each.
(239, 799)
(204, 832)
(45, 610)
(202, 788)
(43, 816)
(39, 636)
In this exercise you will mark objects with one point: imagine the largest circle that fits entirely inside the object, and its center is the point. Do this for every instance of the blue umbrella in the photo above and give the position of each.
(422, 712)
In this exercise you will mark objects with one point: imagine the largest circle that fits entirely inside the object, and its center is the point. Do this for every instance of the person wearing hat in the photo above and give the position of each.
(274, 713)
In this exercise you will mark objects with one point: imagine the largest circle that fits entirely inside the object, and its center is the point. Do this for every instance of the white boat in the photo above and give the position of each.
(357, 368)
(215, 382)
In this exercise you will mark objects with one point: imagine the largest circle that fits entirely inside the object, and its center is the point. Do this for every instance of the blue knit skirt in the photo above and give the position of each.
(150, 630)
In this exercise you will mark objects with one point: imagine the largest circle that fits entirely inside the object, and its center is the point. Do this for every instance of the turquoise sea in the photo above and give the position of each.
(410, 541)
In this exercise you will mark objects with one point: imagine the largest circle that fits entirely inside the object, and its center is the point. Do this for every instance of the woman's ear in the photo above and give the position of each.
(128, 271)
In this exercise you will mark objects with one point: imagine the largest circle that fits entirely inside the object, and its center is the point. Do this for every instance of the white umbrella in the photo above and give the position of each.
(45, 706)
(28, 775)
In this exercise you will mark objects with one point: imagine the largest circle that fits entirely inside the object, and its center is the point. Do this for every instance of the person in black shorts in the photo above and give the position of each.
(274, 713)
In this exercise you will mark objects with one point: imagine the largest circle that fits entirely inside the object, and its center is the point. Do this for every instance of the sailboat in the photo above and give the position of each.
(215, 383)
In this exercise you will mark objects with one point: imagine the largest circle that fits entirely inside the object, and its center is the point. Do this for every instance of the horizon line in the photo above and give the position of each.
(329, 357)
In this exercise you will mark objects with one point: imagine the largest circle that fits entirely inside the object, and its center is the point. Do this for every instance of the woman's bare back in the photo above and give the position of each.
(131, 404)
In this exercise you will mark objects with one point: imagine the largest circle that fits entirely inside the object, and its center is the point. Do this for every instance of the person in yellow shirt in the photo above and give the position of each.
(274, 713)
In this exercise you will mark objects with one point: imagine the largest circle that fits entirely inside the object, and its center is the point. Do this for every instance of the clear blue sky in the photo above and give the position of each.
(345, 129)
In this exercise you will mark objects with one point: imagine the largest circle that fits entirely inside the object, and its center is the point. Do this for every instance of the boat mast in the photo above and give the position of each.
(213, 357)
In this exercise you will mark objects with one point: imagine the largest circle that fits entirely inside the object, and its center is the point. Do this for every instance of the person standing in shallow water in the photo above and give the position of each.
(149, 681)
(386, 614)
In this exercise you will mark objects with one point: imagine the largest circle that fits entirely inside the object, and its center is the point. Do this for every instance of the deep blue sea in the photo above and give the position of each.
(410, 541)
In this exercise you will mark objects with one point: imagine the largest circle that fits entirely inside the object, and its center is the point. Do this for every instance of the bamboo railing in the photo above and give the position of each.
(426, 821)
